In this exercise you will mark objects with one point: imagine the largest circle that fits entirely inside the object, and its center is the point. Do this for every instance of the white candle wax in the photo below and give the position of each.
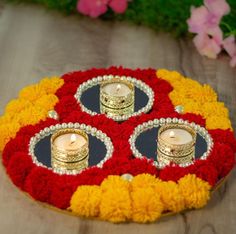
(117, 89)
(70, 141)
(176, 136)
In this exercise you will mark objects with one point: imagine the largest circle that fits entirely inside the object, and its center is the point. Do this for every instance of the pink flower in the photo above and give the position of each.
(216, 34)
(233, 61)
(119, 6)
(198, 21)
(92, 8)
(217, 7)
(230, 47)
(205, 21)
(95, 8)
(204, 18)
(207, 46)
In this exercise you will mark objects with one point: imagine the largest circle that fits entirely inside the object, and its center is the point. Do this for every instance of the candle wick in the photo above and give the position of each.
(118, 87)
(172, 134)
(73, 139)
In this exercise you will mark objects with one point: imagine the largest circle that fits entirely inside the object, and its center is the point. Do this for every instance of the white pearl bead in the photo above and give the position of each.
(127, 177)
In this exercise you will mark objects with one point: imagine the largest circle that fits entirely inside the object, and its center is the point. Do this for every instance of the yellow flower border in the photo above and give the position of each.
(30, 107)
(197, 99)
(142, 200)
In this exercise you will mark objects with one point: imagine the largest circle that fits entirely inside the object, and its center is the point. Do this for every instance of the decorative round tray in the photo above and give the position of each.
(123, 181)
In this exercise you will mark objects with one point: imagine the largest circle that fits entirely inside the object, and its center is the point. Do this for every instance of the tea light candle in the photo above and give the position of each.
(69, 150)
(176, 136)
(176, 143)
(117, 97)
(70, 141)
(117, 89)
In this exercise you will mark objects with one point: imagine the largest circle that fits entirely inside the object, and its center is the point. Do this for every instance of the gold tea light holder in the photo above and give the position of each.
(69, 150)
(176, 143)
(117, 97)
(66, 161)
(181, 154)
(115, 110)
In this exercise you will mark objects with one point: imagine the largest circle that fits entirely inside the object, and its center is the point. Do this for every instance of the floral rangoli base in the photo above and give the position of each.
(123, 187)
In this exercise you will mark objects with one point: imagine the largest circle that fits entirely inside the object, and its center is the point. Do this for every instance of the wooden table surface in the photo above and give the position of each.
(35, 42)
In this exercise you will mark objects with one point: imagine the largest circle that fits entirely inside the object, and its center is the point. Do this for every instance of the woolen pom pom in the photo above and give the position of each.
(52, 84)
(7, 132)
(39, 184)
(18, 144)
(170, 196)
(115, 204)
(205, 170)
(172, 172)
(32, 92)
(223, 158)
(195, 191)
(69, 102)
(224, 136)
(86, 201)
(144, 181)
(113, 182)
(146, 205)
(19, 167)
(63, 188)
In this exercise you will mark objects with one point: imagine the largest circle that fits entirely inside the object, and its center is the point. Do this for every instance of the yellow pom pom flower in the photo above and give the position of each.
(31, 107)
(203, 94)
(178, 98)
(115, 204)
(141, 200)
(171, 196)
(191, 106)
(8, 131)
(170, 76)
(197, 99)
(47, 101)
(114, 182)
(32, 92)
(146, 205)
(31, 115)
(7, 118)
(17, 105)
(215, 109)
(51, 85)
(86, 201)
(144, 181)
(215, 122)
(195, 191)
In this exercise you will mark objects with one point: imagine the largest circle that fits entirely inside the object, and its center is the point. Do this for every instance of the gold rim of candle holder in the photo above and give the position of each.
(117, 102)
(70, 166)
(166, 159)
(116, 112)
(175, 152)
(73, 159)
